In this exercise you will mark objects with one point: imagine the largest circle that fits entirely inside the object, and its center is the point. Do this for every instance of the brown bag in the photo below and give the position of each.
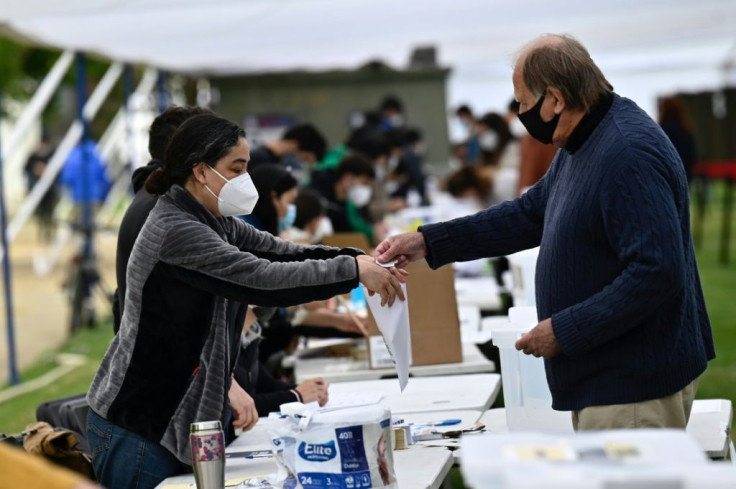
(58, 446)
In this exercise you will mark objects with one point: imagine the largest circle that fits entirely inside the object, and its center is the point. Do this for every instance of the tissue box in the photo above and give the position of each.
(346, 448)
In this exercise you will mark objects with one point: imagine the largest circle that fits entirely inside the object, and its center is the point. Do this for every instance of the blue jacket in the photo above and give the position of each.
(616, 270)
(96, 186)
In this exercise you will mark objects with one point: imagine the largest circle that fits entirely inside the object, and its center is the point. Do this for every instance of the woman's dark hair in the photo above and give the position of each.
(270, 178)
(202, 138)
(164, 126)
(309, 205)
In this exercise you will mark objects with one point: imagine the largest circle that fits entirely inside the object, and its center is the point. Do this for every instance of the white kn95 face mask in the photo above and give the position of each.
(237, 197)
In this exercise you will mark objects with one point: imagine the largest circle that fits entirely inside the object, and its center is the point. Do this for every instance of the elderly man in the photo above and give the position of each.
(623, 326)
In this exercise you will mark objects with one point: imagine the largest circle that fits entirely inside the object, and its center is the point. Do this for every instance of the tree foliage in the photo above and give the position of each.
(22, 68)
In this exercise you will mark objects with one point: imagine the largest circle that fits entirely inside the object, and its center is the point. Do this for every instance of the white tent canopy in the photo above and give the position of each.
(644, 47)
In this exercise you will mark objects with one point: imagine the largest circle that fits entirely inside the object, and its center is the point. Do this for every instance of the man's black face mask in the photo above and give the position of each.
(539, 130)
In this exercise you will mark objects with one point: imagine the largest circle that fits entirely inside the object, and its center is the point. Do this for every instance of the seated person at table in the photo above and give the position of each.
(268, 392)
(469, 187)
(299, 149)
(405, 185)
(311, 223)
(348, 190)
(274, 213)
(169, 364)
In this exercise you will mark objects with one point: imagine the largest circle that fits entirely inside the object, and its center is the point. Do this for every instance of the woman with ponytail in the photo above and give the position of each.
(170, 364)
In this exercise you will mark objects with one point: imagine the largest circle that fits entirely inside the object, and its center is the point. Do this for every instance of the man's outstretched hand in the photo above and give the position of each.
(404, 248)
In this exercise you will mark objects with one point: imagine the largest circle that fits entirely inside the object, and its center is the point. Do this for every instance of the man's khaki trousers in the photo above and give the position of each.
(672, 411)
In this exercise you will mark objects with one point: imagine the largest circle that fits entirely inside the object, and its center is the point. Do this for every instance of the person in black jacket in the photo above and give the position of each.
(159, 135)
(267, 391)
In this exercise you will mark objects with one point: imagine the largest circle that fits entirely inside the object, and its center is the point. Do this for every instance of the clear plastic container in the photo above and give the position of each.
(525, 391)
(522, 266)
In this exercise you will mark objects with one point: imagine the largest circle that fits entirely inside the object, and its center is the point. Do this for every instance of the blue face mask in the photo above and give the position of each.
(288, 220)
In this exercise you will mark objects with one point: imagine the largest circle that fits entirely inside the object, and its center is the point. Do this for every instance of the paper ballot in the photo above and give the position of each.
(393, 323)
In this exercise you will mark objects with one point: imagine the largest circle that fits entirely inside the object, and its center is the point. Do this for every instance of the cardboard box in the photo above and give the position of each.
(347, 240)
(433, 318)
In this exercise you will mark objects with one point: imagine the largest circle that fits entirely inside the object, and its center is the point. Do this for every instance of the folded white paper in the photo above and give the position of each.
(393, 323)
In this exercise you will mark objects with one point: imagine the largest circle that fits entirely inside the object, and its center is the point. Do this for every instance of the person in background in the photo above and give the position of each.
(676, 125)
(511, 118)
(469, 188)
(348, 190)
(535, 160)
(372, 141)
(169, 364)
(405, 185)
(494, 137)
(623, 326)
(34, 169)
(300, 148)
(392, 112)
(311, 223)
(85, 177)
(268, 392)
(277, 188)
(469, 135)
(499, 156)
(365, 136)
(159, 136)
(274, 213)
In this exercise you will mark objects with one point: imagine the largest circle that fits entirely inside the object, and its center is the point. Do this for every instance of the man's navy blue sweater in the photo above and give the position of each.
(616, 270)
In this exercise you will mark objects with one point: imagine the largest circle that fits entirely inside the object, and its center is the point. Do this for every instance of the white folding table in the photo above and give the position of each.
(475, 392)
(346, 369)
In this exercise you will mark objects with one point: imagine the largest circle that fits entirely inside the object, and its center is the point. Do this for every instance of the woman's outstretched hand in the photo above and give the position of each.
(386, 282)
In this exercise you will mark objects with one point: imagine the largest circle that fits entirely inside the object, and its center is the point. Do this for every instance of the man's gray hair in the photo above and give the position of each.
(560, 61)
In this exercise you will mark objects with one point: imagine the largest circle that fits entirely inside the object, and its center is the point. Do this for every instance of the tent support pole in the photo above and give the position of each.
(38, 103)
(10, 326)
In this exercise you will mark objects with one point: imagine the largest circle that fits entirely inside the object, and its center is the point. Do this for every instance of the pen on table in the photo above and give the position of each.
(444, 422)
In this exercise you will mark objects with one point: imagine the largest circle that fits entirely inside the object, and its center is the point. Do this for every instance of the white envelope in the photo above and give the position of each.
(393, 323)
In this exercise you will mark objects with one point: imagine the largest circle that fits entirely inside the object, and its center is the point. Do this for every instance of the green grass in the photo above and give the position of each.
(17, 413)
(719, 286)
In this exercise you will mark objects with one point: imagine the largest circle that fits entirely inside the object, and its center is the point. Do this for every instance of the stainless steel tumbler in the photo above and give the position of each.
(208, 454)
